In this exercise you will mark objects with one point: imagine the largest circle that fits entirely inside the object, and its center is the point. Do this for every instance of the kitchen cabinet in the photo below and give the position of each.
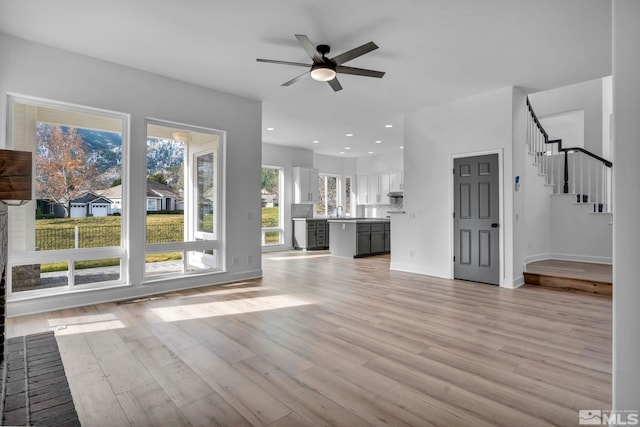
(396, 181)
(363, 239)
(362, 187)
(384, 180)
(309, 233)
(377, 238)
(305, 185)
(387, 237)
(359, 237)
(373, 189)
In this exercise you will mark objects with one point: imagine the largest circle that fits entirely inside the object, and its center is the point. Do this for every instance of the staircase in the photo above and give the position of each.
(571, 275)
(581, 206)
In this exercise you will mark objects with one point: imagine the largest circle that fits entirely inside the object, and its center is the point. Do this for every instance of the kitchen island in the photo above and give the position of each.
(310, 233)
(359, 237)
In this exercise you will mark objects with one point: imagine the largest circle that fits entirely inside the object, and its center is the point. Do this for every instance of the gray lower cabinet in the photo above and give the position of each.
(363, 239)
(377, 238)
(359, 238)
(310, 233)
(387, 237)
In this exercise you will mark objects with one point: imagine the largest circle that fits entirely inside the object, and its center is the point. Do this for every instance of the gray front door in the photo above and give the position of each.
(475, 225)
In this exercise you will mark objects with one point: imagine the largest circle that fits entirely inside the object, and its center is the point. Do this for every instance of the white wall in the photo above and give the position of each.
(585, 96)
(433, 135)
(37, 70)
(607, 112)
(286, 158)
(626, 233)
(343, 166)
(523, 218)
(379, 163)
(578, 234)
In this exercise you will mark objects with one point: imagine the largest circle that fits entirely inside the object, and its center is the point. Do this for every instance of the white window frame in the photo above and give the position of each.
(280, 227)
(338, 192)
(217, 245)
(29, 257)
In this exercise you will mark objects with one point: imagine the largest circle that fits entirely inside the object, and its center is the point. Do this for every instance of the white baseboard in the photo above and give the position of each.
(537, 257)
(567, 257)
(276, 248)
(411, 268)
(584, 258)
(517, 282)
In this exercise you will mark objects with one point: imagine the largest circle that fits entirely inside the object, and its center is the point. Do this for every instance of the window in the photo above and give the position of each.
(184, 215)
(272, 230)
(347, 200)
(69, 235)
(328, 195)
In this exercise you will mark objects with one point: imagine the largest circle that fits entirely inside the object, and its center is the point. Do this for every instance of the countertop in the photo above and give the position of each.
(359, 220)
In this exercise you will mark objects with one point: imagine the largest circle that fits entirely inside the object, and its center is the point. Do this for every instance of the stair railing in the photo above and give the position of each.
(589, 176)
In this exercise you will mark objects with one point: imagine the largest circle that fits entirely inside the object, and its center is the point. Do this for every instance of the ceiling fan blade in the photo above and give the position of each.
(335, 84)
(309, 47)
(354, 53)
(274, 61)
(359, 71)
(295, 79)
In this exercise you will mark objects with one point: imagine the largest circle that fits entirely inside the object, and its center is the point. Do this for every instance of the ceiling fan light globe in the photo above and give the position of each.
(322, 74)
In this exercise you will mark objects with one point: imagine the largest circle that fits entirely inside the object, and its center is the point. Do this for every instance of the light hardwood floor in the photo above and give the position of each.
(322, 340)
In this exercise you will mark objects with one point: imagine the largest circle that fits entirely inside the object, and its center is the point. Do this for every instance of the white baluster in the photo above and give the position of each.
(589, 177)
(581, 180)
(573, 171)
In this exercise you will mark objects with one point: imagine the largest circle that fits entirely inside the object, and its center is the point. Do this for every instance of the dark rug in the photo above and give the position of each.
(35, 391)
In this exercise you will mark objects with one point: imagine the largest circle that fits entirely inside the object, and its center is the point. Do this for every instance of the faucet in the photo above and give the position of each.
(339, 212)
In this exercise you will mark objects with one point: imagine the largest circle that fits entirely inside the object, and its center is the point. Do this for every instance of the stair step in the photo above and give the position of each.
(569, 283)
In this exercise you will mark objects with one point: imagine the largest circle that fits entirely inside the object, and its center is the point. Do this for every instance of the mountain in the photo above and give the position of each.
(105, 149)
(164, 154)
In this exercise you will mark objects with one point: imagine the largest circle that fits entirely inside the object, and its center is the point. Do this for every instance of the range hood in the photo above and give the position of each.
(395, 194)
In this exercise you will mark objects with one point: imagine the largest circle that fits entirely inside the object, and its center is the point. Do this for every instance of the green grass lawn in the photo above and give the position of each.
(270, 217)
(59, 233)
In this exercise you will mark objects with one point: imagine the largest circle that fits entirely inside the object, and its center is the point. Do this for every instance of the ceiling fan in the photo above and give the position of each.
(325, 69)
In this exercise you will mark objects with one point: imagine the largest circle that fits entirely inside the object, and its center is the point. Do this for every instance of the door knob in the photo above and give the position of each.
(495, 225)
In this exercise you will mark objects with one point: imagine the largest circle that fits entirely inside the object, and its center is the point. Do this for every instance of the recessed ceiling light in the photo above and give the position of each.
(315, 141)
(388, 126)
(347, 148)
(342, 152)
(271, 128)
(401, 147)
(348, 134)
(378, 141)
(370, 152)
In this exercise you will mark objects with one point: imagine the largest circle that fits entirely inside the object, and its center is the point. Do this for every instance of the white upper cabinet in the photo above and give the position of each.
(363, 189)
(396, 181)
(305, 185)
(373, 189)
(385, 187)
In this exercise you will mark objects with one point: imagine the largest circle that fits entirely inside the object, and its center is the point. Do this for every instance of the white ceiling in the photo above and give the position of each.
(432, 51)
